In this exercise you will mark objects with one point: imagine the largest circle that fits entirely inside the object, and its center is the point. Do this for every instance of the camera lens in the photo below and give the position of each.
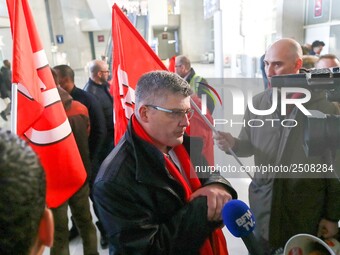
(321, 132)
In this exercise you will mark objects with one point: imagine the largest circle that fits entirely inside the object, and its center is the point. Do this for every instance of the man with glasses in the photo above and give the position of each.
(99, 87)
(149, 196)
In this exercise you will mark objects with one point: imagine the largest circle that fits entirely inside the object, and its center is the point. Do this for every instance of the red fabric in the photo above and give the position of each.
(78, 108)
(41, 118)
(132, 57)
(172, 64)
(199, 128)
(217, 244)
(29, 107)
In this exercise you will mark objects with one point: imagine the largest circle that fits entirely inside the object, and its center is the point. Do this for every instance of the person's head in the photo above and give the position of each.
(26, 223)
(306, 48)
(65, 77)
(7, 64)
(182, 65)
(99, 71)
(163, 107)
(308, 61)
(283, 57)
(317, 47)
(327, 61)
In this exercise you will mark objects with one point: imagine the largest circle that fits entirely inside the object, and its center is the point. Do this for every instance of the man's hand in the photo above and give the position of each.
(327, 229)
(224, 141)
(217, 196)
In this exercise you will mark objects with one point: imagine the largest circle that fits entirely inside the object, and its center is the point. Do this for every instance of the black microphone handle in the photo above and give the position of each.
(291, 80)
(253, 246)
(315, 81)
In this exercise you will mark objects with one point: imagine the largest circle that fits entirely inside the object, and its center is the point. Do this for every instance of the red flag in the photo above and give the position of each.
(132, 57)
(41, 117)
(172, 64)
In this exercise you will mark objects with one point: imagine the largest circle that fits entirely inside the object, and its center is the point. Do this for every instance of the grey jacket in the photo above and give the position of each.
(289, 203)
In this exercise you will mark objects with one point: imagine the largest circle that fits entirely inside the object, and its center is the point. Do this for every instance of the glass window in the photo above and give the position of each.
(334, 42)
(335, 15)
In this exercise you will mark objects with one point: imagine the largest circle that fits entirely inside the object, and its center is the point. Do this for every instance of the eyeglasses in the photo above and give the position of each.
(175, 114)
(178, 65)
(105, 71)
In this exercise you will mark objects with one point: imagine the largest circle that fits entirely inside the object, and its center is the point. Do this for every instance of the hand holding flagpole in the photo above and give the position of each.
(197, 109)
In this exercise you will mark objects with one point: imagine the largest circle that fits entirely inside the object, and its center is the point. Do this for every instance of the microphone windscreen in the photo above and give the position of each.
(238, 218)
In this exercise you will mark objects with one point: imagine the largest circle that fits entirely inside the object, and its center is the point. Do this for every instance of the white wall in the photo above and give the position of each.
(195, 32)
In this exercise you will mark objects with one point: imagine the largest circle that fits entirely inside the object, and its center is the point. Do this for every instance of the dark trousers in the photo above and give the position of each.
(80, 208)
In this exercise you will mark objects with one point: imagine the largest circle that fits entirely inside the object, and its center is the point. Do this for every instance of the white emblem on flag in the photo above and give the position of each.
(127, 94)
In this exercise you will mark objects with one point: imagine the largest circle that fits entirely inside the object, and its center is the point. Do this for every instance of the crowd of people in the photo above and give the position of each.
(145, 192)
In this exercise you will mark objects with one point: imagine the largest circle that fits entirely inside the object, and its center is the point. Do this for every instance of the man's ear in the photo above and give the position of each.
(143, 113)
(298, 64)
(45, 233)
(46, 228)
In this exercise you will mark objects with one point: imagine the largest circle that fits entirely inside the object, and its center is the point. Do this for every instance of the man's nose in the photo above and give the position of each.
(185, 122)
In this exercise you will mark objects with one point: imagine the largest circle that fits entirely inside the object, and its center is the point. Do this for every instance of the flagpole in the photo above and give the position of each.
(14, 108)
(197, 109)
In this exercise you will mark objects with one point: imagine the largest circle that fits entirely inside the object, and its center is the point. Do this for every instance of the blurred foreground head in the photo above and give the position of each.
(26, 225)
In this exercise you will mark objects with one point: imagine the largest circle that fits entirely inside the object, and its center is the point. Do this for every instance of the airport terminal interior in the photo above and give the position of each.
(222, 38)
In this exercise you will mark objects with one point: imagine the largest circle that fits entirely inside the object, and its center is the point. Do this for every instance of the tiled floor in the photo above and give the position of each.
(240, 183)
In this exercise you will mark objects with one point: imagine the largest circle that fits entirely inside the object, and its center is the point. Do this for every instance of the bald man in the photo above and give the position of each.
(283, 204)
(327, 61)
(98, 86)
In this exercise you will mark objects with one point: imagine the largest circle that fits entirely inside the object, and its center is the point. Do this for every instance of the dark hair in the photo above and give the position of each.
(317, 44)
(154, 85)
(23, 190)
(64, 71)
(55, 76)
(7, 64)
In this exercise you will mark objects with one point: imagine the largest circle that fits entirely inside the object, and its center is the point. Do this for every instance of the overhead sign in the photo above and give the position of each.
(317, 8)
(60, 39)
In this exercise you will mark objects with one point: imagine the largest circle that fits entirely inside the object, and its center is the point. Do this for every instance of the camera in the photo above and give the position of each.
(321, 131)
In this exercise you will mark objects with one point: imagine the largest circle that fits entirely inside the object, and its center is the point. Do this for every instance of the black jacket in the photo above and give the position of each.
(101, 92)
(143, 208)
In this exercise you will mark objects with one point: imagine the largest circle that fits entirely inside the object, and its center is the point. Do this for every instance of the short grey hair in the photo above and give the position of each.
(183, 60)
(155, 86)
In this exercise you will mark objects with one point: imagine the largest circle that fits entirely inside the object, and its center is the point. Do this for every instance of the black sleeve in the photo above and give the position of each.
(97, 134)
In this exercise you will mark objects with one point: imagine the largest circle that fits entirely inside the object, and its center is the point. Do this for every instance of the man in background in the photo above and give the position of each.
(97, 135)
(197, 83)
(26, 225)
(6, 87)
(99, 88)
(285, 204)
(317, 47)
(327, 61)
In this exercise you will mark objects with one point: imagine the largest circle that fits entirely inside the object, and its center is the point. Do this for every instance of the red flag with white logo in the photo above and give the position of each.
(41, 118)
(132, 57)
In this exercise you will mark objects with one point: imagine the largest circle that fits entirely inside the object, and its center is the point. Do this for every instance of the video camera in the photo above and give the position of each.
(321, 131)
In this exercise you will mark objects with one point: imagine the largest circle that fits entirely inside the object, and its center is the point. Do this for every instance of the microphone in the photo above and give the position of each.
(240, 222)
